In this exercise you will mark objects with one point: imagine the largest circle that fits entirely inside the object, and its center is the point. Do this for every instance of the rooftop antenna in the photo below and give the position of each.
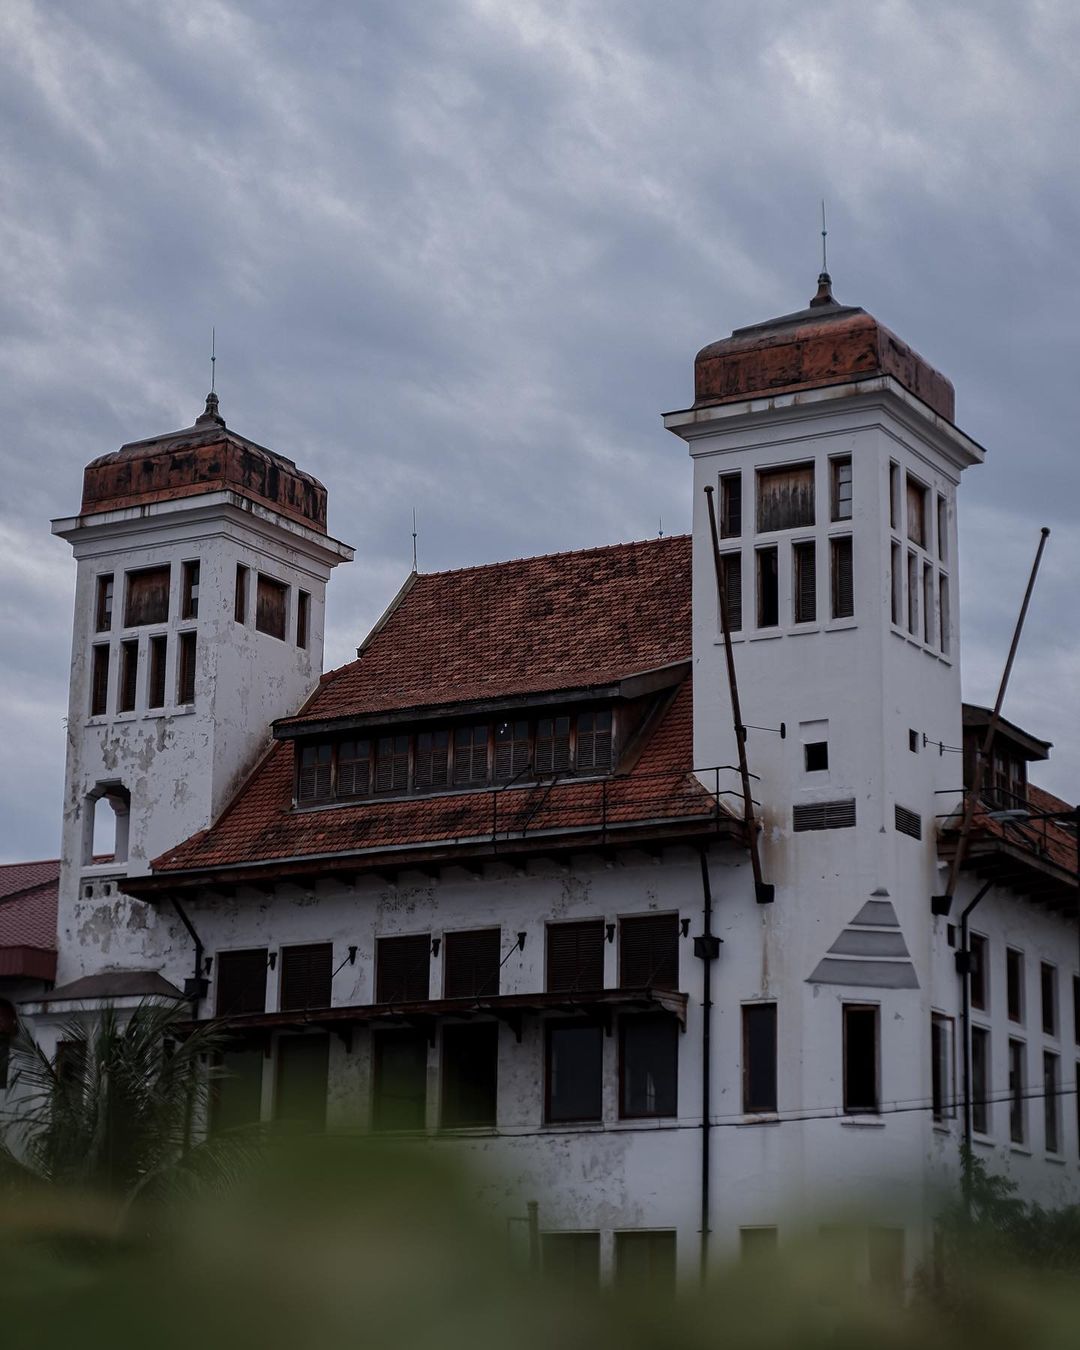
(824, 239)
(414, 539)
(213, 357)
(824, 294)
(211, 412)
(661, 534)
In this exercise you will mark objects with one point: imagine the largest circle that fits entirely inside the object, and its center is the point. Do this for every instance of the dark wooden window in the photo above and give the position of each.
(942, 528)
(402, 968)
(648, 1065)
(649, 952)
(731, 573)
(916, 512)
(979, 966)
(1051, 1102)
(1017, 1102)
(980, 1080)
(804, 557)
(768, 588)
(759, 1057)
(99, 681)
(785, 497)
(572, 1260)
(896, 585)
(913, 593)
(552, 745)
(823, 815)
(103, 612)
(470, 755)
(1076, 1012)
(730, 505)
(645, 1264)
(944, 629)
(575, 956)
(843, 578)
(189, 591)
(129, 675)
(303, 618)
(236, 1093)
(241, 982)
(353, 768)
(302, 1077)
(894, 494)
(315, 779)
(1014, 984)
(470, 1074)
(840, 485)
(472, 962)
(513, 750)
(306, 976)
(573, 1071)
(1048, 988)
(271, 598)
(399, 1079)
(816, 755)
(240, 594)
(147, 597)
(392, 764)
(861, 1072)
(155, 689)
(185, 667)
(432, 768)
(593, 751)
(942, 1087)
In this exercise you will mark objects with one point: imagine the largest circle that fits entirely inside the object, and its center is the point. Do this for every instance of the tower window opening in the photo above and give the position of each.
(843, 578)
(155, 689)
(896, 585)
(1017, 1103)
(817, 756)
(240, 594)
(861, 1052)
(185, 668)
(129, 675)
(913, 593)
(99, 681)
(943, 613)
(768, 588)
(916, 512)
(730, 505)
(731, 579)
(913, 741)
(759, 1057)
(1051, 1104)
(147, 596)
(942, 1043)
(303, 618)
(189, 592)
(107, 813)
(942, 528)
(804, 557)
(1014, 983)
(840, 473)
(785, 497)
(928, 604)
(104, 609)
(271, 599)
(894, 494)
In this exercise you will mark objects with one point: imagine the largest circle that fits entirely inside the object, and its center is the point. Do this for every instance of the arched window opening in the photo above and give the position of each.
(108, 812)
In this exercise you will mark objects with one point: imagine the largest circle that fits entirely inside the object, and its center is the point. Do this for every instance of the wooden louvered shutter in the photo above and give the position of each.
(241, 982)
(805, 556)
(552, 745)
(843, 580)
(472, 963)
(785, 497)
(147, 597)
(271, 598)
(306, 976)
(431, 768)
(593, 742)
(313, 781)
(731, 571)
(649, 952)
(354, 768)
(511, 750)
(392, 764)
(402, 968)
(470, 755)
(575, 956)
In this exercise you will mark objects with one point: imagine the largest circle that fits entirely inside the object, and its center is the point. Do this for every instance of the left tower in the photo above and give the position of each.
(202, 562)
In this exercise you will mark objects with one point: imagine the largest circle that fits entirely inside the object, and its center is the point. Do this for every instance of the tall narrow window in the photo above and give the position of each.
(894, 494)
(573, 1079)
(942, 528)
(240, 594)
(155, 690)
(353, 769)
(575, 956)
(470, 755)
(768, 588)
(399, 1079)
(147, 597)
(271, 599)
(645, 1263)
(392, 764)
(980, 1080)
(403, 968)
(189, 591)
(236, 1097)
(730, 505)
(432, 764)
(471, 963)
(303, 617)
(1014, 984)
(470, 1074)
(941, 1058)
(943, 614)
(1051, 1102)
(913, 594)
(593, 750)
(928, 604)
(513, 751)
(1017, 1103)
(104, 609)
(1076, 1009)
(129, 675)
(840, 473)
(978, 949)
(731, 575)
(649, 952)
(861, 1070)
(302, 1080)
(552, 745)
(1048, 986)
(896, 585)
(306, 976)
(185, 667)
(314, 778)
(916, 512)
(648, 1065)
(759, 1057)
(843, 578)
(804, 581)
(785, 497)
(99, 681)
(241, 982)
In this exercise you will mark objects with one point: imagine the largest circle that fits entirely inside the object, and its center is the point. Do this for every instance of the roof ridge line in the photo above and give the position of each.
(559, 553)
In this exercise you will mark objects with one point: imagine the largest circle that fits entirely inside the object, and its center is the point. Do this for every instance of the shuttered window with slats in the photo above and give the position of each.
(306, 976)
(402, 968)
(553, 745)
(392, 764)
(315, 778)
(824, 815)
(241, 982)
(731, 571)
(593, 750)
(804, 557)
(470, 755)
(354, 768)
(843, 578)
(472, 963)
(432, 765)
(575, 956)
(512, 750)
(649, 952)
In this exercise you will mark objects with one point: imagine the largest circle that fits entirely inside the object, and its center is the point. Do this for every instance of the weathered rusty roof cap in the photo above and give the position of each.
(825, 344)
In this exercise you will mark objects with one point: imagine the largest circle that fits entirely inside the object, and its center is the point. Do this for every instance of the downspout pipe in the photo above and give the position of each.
(197, 975)
(707, 948)
(963, 965)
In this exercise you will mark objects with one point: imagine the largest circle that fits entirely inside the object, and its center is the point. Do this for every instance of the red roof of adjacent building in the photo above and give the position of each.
(28, 900)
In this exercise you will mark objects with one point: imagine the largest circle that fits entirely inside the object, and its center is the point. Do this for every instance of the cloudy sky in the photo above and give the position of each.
(460, 255)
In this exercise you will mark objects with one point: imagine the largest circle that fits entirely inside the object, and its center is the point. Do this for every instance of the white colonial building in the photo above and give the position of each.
(491, 884)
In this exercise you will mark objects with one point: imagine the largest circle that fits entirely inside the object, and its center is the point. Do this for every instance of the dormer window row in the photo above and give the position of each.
(466, 755)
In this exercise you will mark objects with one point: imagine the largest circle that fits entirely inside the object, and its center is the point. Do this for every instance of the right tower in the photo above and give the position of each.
(834, 459)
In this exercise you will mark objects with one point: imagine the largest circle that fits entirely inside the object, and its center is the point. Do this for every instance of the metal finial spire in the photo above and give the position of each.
(210, 413)
(414, 539)
(213, 352)
(824, 294)
(824, 239)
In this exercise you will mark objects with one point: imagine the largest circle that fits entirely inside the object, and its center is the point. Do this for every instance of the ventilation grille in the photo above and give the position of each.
(909, 822)
(824, 815)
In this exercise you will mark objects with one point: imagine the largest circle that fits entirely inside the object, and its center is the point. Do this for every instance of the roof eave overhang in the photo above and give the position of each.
(1015, 868)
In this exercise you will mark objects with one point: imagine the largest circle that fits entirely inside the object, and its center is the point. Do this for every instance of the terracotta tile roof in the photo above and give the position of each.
(570, 620)
(1045, 841)
(561, 621)
(22, 876)
(28, 893)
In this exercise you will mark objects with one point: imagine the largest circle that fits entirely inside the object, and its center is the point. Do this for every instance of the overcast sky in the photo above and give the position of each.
(460, 255)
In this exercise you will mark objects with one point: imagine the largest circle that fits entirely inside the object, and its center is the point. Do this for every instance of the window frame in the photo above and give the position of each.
(629, 1023)
(1017, 1067)
(837, 482)
(265, 584)
(849, 1011)
(769, 1106)
(1048, 999)
(943, 1085)
(554, 1027)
